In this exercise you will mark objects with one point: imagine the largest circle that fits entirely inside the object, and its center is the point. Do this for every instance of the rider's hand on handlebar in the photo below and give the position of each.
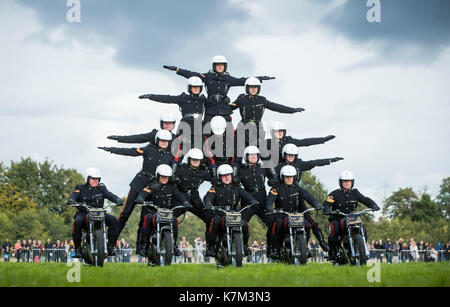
(70, 202)
(318, 206)
(327, 211)
(119, 202)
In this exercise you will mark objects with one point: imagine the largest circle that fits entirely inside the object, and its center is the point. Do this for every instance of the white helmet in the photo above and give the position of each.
(194, 81)
(163, 135)
(194, 153)
(252, 81)
(251, 150)
(346, 175)
(92, 172)
(166, 118)
(288, 170)
(289, 149)
(163, 170)
(219, 59)
(218, 125)
(277, 126)
(224, 169)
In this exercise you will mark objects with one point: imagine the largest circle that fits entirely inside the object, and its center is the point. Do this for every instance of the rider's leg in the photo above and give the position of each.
(128, 208)
(246, 235)
(212, 235)
(147, 227)
(333, 237)
(113, 233)
(317, 231)
(78, 223)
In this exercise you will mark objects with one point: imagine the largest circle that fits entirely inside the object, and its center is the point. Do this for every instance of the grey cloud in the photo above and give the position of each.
(410, 30)
(148, 34)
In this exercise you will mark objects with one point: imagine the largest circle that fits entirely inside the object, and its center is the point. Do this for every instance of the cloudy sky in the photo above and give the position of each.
(381, 87)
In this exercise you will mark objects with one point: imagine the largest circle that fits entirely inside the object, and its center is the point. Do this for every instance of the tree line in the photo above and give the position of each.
(33, 199)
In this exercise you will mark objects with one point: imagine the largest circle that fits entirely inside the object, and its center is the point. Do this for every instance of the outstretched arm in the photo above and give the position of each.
(134, 152)
(162, 98)
(366, 200)
(281, 108)
(185, 73)
(311, 141)
(135, 138)
(308, 165)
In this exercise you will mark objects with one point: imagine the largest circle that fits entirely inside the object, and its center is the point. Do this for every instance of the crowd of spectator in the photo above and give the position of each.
(403, 251)
(63, 251)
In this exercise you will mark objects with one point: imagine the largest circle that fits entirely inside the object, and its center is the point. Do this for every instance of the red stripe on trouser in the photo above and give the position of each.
(273, 228)
(145, 223)
(87, 220)
(248, 227)
(73, 228)
(331, 230)
(342, 224)
(210, 227)
(123, 209)
(153, 219)
(285, 224)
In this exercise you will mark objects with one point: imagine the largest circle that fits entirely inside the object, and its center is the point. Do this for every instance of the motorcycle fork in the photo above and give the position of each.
(91, 238)
(350, 239)
(364, 240)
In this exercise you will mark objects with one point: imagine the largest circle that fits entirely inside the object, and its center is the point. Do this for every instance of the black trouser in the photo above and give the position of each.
(197, 207)
(338, 228)
(81, 222)
(127, 209)
(149, 225)
(217, 226)
(247, 214)
(311, 223)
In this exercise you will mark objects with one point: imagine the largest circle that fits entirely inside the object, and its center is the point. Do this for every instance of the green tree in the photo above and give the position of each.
(13, 200)
(426, 209)
(443, 197)
(401, 204)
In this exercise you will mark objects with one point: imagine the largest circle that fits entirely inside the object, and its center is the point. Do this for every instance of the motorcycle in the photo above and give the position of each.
(354, 236)
(294, 248)
(93, 240)
(229, 245)
(161, 239)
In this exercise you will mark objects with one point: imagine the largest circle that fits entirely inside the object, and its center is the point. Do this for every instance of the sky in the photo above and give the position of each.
(380, 87)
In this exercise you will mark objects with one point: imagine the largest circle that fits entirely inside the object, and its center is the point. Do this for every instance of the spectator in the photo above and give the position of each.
(126, 252)
(447, 251)
(414, 251)
(182, 248)
(24, 251)
(421, 247)
(189, 252)
(389, 248)
(6, 250)
(35, 251)
(404, 252)
(313, 246)
(379, 247)
(438, 250)
(321, 255)
(263, 249)
(48, 250)
(18, 250)
(433, 255)
(255, 252)
(199, 248)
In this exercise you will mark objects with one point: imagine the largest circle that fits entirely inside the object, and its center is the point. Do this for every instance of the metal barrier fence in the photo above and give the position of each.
(197, 255)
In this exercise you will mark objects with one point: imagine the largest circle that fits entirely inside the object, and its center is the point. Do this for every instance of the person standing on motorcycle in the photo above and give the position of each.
(289, 197)
(188, 176)
(167, 122)
(162, 194)
(252, 107)
(343, 200)
(191, 105)
(93, 193)
(218, 82)
(153, 156)
(220, 147)
(252, 176)
(226, 194)
(279, 138)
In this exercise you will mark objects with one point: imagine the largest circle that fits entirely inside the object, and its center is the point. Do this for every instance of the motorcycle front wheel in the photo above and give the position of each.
(236, 249)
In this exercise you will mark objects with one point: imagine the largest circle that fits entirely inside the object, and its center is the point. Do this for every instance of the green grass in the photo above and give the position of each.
(206, 275)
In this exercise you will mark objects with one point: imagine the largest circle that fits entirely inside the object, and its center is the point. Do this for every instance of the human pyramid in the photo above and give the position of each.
(206, 147)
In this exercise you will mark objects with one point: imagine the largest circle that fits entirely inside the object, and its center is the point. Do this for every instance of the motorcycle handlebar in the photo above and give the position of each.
(345, 214)
(83, 205)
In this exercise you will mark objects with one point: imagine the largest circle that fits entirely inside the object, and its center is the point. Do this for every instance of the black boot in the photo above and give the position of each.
(176, 250)
(247, 251)
(210, 251)
(111, 251)
(322, 243)
(144, 244)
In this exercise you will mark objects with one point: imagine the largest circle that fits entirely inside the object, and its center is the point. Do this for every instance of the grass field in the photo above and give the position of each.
(206, 275)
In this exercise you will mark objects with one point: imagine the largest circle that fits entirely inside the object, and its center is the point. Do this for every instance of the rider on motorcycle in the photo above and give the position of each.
(226, 194)
(289, 197)
(344, 200)
(162, 193)
(93, 194)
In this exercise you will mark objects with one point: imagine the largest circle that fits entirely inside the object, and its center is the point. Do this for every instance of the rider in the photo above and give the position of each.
(93, 194)
(217, 146)
(191, 105)
(218, 83)
(289, 197)
(252, 176)
(153, 156)
(252, 107)
(188, 177)
(162, 195)
(226, 194)
(167, 122)
(343, 200)
(279, 138)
